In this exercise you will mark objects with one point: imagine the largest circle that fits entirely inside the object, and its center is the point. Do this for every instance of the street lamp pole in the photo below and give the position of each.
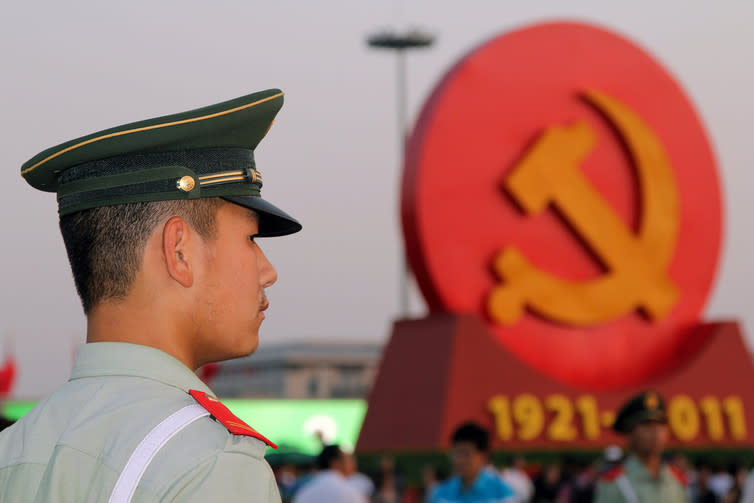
(400, 43)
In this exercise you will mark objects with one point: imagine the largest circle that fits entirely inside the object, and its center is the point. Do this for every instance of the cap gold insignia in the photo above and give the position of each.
(186, 183)
(651, 401)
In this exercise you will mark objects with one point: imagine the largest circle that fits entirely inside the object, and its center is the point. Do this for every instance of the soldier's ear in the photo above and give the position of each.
(176, 236)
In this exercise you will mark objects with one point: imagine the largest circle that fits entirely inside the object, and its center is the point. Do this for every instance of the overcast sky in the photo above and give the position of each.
(71, 68)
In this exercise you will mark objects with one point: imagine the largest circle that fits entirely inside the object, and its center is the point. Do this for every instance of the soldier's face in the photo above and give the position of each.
(233, 279)
(649, 438)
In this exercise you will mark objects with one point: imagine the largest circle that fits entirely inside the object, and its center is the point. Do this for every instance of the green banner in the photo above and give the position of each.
(294, 425)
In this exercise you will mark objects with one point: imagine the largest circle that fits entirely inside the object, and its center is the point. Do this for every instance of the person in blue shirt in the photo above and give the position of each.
(474, 481)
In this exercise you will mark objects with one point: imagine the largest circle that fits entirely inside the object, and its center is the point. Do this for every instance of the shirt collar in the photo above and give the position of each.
(98, 359)
(485, 474)
(637, 468)
(476, 486)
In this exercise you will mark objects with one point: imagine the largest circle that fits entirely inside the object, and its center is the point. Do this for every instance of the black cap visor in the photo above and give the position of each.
(273, 221)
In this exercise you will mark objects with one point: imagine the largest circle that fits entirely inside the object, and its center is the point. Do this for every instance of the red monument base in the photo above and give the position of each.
(443, 370)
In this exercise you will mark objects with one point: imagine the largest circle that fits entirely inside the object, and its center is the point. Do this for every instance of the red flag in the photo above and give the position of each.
(7, 376)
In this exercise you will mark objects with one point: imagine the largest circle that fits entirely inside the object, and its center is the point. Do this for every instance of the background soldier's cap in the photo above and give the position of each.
(207, 152)
(646, 406)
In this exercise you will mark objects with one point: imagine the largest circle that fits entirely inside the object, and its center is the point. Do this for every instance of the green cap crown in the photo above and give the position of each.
(206, 152)
(646, 406)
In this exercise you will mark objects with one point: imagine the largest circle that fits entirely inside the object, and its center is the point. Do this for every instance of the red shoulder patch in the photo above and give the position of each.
(613, 474)
(226, 417)
(679, 475)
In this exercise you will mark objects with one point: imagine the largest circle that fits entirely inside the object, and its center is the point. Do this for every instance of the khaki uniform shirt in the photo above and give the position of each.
(74, 444)
(667, 488)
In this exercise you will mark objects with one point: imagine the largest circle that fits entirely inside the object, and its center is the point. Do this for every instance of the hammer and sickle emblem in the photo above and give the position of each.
(636, 265)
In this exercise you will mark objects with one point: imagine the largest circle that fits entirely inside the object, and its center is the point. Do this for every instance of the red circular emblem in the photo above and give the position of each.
(559, 184)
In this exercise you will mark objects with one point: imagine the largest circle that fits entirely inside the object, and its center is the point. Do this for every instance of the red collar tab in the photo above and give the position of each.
(613, 474)
(226, 417)
(679, 475)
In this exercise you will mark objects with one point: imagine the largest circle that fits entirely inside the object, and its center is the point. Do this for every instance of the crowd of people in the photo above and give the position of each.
(642, 474)
(531, 481)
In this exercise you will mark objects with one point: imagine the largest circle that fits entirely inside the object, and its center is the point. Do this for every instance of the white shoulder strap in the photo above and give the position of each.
(149, 447)
(626, 490)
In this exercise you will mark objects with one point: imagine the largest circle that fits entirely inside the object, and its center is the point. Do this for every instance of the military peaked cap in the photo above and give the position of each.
(207, 152)
(646, 406)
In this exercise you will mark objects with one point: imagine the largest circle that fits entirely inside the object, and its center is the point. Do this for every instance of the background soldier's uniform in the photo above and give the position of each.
(631, 482)
(668, 488)
(74, 445)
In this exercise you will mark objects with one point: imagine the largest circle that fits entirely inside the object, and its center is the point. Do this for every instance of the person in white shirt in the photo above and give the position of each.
(330, 484)
(720, 482)
(355, 478)
(518, 480)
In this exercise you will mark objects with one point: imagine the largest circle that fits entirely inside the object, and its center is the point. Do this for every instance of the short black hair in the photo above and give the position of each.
(329, 454)
(473, 433)
(105, 244)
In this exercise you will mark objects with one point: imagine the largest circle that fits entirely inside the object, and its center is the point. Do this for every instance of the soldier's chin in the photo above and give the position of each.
(253, 344)
(244, 346)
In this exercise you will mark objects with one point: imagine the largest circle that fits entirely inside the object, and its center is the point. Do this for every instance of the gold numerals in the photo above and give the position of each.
(527, 417)
(719, 419)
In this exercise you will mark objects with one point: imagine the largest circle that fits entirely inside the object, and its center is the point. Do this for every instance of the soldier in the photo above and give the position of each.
(160, 220)
(643, 477)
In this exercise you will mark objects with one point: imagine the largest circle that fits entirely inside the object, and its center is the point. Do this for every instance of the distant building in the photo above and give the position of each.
(311, 369)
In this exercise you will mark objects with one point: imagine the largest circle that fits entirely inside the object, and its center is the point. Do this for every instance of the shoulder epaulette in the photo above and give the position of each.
(613, 474)
(225, 417)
